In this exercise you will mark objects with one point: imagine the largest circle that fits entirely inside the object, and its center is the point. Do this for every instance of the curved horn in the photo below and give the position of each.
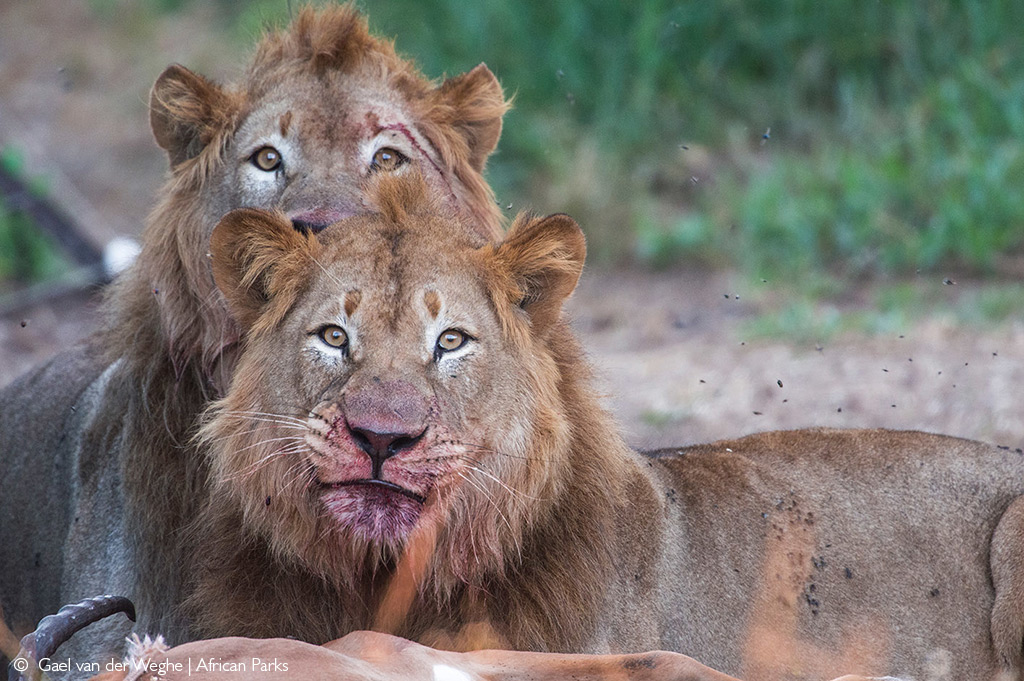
(53, 630)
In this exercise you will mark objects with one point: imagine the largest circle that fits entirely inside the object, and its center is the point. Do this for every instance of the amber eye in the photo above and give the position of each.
(267, 158)
(451, 339)
(388, 159)
(334, 336)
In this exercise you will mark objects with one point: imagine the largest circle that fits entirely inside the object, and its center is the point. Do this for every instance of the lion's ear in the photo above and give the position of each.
(544, 257)
(474, 104)
(259, 258)
(186, 111)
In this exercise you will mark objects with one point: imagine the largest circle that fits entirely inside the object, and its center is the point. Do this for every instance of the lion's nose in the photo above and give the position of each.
(382, 446)
(315, 220)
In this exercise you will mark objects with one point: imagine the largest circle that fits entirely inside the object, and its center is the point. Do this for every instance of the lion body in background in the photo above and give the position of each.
(100, 477)
(470, 491)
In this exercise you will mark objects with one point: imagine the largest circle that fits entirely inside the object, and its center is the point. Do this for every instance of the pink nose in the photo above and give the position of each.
(317, 219)
(385, 418)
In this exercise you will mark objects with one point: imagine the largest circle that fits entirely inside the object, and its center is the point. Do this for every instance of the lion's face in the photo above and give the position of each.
(403, 382)
(309, 146)
(324, 109)
(397, 362)
(324, 106)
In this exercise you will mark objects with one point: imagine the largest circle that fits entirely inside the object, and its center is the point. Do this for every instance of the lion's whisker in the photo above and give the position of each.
(286, 438)
(297, 473)
(236, 434)
(324, 270)
(253, 468)
(491, 450)
(260, 412)
(511, 490)
(486, 494)
(478, 466)
(258, 427)
(299, 412)
(266, 417)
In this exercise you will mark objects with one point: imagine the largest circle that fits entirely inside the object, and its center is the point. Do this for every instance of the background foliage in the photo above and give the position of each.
(896, 135)
(788, 138)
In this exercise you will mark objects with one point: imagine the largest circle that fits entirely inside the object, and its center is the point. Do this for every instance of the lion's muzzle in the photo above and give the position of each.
(373, 462)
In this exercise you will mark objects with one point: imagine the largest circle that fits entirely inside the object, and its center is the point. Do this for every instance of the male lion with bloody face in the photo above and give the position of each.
(494, 504)
(100, 478)
(411, 443)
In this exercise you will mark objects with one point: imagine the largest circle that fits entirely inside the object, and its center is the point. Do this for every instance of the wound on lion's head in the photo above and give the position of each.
(323, 110)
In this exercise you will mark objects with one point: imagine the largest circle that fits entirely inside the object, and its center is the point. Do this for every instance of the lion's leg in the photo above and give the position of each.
(1007, 561)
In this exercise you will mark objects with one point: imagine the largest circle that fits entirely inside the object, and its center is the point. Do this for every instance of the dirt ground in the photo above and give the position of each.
(671, 358)
(668, 347)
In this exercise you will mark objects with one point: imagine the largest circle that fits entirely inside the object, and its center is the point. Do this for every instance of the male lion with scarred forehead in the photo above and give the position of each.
(412, 443)
(99, 478)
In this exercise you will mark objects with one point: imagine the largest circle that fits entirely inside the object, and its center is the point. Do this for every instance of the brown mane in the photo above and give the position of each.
(469, 568)
(172, 269)
(166, 324)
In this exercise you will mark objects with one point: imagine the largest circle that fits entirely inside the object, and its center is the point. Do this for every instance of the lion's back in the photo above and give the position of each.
(39, 423)
(813, 529)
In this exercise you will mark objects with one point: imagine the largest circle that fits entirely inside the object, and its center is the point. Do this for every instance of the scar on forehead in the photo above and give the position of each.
(352, 299)
(433, 302)
(286, 121)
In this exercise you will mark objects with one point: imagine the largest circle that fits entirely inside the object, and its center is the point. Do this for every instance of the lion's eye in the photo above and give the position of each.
(267, 158)
(387, 159)
(334, 336)
(452, 339)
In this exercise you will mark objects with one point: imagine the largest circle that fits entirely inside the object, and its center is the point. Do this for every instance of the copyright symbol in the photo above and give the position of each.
(20, 664)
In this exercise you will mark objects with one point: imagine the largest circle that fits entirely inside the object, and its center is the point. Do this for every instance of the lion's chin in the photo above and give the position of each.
(373, 513)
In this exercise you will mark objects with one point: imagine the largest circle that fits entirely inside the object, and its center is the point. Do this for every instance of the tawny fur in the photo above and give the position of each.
(801, 554)
(114, 460)
(469, 561)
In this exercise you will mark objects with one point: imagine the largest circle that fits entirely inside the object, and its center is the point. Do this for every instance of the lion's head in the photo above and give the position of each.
(406, 394)
(323, 107)
(395, 372)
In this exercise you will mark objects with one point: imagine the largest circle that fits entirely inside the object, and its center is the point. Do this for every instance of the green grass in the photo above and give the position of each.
(25, 254)
(938, 188)
(803, 312)
(657, 418)
(896, 127)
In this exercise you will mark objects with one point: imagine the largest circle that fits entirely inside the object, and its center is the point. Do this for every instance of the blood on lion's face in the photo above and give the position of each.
(370, 397)
(323, 109)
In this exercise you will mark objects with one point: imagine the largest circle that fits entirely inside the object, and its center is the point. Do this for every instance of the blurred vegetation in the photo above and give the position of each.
(782, 136)
(790, 138)
(811, 315)
(25, 253)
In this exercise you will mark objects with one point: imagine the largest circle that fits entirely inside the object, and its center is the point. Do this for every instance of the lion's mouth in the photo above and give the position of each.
(373, 509)
(378, 483)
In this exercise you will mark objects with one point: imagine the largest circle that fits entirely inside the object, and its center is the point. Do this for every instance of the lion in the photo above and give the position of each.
(99, 476)
(411, 444)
